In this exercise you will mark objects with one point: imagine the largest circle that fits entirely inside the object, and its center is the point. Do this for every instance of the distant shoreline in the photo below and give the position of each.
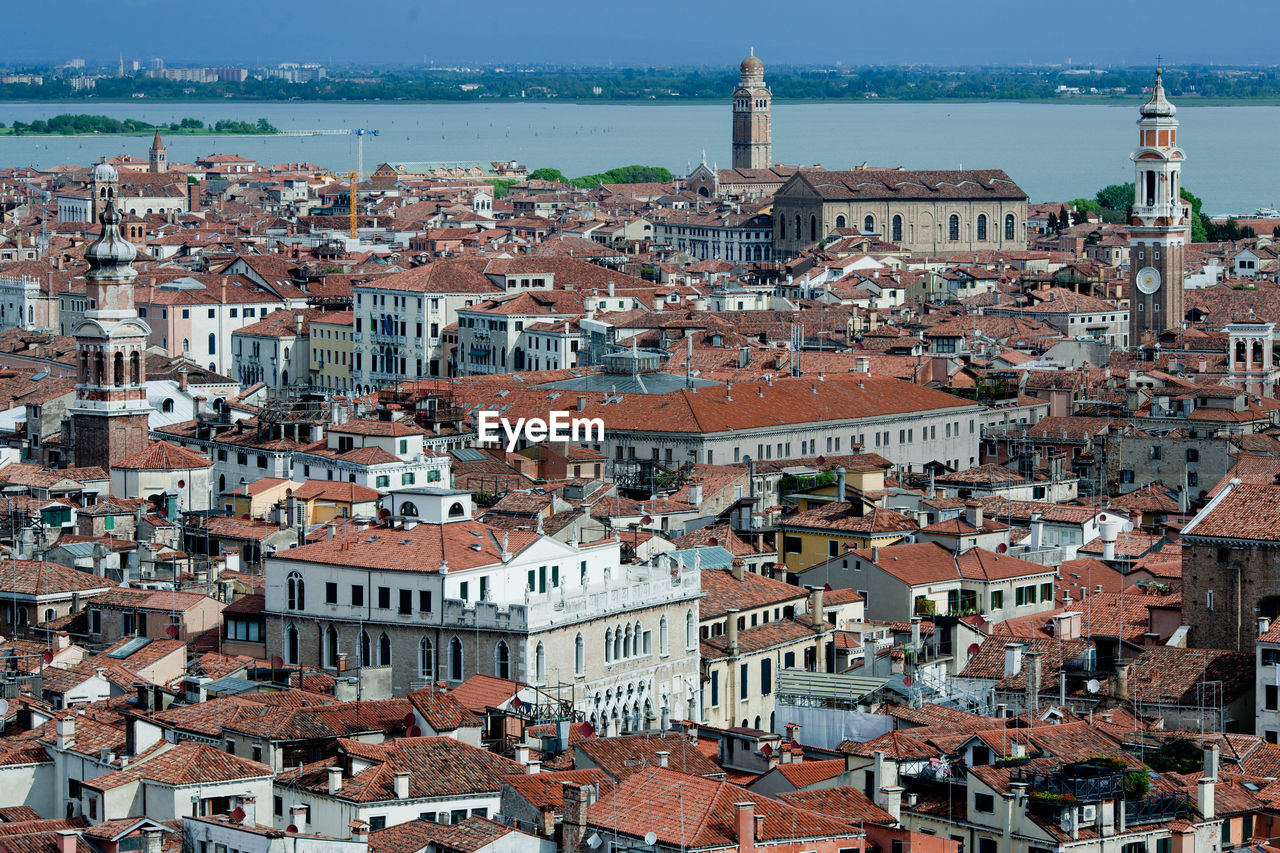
(1080, 100)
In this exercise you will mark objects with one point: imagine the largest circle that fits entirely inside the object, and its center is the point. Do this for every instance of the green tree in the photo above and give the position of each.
(1199, 234)
(265, 126)
(502, 186)
(1117, 197)
(1053, 221)
(1064, 217)
(548, 174)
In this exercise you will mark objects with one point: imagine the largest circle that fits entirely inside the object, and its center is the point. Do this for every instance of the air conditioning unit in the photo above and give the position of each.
(1088, 814)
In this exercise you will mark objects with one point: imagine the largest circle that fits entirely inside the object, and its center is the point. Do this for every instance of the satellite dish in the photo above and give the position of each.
(974, 648)
(246, 517)
(907, 681)
(1093, 686)
(4, 707)
(237, 814)
(291, 829)
(384, 513)
(182, 484)
(588, 730)
(1002, 548)
(651, 838)
(408, 719)
(277, 662)
(766, 750)
(47, 657)
(413, 731)
(172, 631)
(713, 541)
(288, 492)
(594, 841)
(822, 460)
(648, 519)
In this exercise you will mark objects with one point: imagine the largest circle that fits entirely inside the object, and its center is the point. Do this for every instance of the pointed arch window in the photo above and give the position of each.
(426, 659)
(366, 653)
(502, 660)
(297, 591)
(540, 665)
(579, 656)
(455, 659)
(608, 646)
(384, 649)
(331, 647)
(291, 644)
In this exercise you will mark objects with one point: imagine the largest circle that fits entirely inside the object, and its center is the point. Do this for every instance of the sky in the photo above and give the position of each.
(658, 32)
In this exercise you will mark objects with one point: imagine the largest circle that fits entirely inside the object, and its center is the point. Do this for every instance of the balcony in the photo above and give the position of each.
(1086, 783)
(1156, 809)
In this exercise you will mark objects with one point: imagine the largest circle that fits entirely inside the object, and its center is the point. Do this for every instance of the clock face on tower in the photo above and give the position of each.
(1148, 280)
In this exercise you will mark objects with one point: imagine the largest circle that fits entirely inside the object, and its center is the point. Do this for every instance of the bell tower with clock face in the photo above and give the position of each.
(1160, 225)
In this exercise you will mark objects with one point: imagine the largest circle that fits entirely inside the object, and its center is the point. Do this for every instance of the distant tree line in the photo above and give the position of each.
(648, 84)
(68, 124)
(620, 175)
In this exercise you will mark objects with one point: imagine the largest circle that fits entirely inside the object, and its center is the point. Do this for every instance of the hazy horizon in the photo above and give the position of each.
(667, 33)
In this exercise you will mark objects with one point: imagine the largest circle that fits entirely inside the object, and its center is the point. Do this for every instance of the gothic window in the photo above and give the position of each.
(839, 222)
(982, 226)
(426, 659)
(579, 656)
(455, 659)
(502, 660)
(186, 345)
(291, 644)
(384, 649)
(662, 636)
(366, 653)
(608, 646)
(1009, 224)
(869, 224)
(540, 665)
(897, 229)
(297, 592)
(953, 228)
(690, 630)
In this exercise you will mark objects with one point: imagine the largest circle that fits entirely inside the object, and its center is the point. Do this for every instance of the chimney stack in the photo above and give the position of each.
(973, 514)
(663, 757)
(1012, 659)
(840, 484)
(298, 817)
(335, 780)
(746, 826)
(574, 828)
(891, 801)
(731, 632)
(67, 840)
(66, 732)
(402, 785)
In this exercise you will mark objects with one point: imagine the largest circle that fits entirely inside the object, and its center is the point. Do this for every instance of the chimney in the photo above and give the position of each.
(1211, 762)
(335, 780)
(1037, 530)
(533, 768)
(1067, 625)
(182, 379)
(663, 757)
(1012, 659)
(402, 785)
(1108, 531)
(1264, 625)
(840, 484)
(815, 608)
(731, 632)
(298, 817)
(1120, 681)
(1033, 679)
(738, 568)
(973, 514)
(574, 828)
(360, 831)
(862, 364)
(151, 840)
(915, 633)
(1204, 798)
(67, 839)
(522, 754)
(891, 801)
(66, 729)
(746, 826)
(582, 402)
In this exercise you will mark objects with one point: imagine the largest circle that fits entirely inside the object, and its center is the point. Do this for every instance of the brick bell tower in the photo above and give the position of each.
(1160, 226)
(752, 127)
(109, 415)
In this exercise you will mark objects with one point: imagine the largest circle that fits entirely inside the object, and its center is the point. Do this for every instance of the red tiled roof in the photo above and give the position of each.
(163, 456)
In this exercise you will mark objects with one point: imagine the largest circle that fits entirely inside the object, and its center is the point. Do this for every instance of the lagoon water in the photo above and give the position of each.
(1054, 151)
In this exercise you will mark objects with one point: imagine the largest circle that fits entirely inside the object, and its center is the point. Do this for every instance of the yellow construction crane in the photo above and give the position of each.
(354, 176)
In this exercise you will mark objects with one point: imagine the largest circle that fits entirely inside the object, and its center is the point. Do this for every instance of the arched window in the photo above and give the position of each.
(213, 343)
(637, 637)
(782, 227)
(579, 656)
(840, 221)
(617, 643)
(291, 644)
(1009, 225)
(982, 226)
(366, 653)
(48, 615)
(135, 369)
(799, 233)
(384, 649)
(331, 647)
(869, 224)
(766, 676)
(897, 229)
(540, 665)
(297, 592)
(455, 659)
(222, 483)
(186, 345)
(626, 643)
(456, 511)
(690, 631)
(99, 369)
(662, 636)
(426, 659)
(502, 660)
(813, 228)
(608, 646)
(166, 405)
(953, 227)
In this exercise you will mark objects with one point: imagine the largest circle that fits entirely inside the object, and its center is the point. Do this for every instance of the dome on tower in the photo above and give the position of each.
(104, 172)
(751, 66)
(1157, 105)
(111, 252)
